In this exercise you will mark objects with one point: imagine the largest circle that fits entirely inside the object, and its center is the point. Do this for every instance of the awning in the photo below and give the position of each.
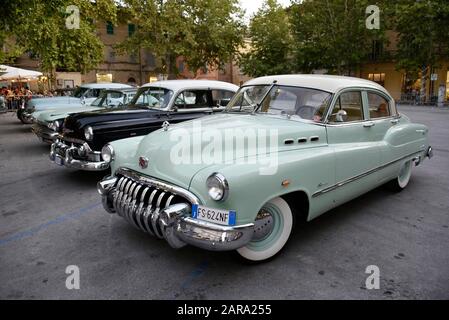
(12, 73)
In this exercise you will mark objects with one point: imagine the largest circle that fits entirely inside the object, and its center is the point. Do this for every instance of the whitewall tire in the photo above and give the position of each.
(273, 227)
(402, 180)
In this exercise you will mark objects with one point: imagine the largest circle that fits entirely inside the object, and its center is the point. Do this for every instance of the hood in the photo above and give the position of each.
(171, 159)
(59, 114)
(42, 102)
(81, 120)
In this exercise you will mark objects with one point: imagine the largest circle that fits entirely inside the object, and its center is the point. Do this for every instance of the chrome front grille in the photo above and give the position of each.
(140, 200)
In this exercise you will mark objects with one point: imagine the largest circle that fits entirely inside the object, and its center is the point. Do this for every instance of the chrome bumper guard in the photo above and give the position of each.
(44, 134)
(429, 153)
(28, 116)
(63, 155)
(164, 211)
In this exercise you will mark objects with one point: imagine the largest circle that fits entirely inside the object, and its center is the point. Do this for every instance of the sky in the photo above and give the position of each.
(251, 6)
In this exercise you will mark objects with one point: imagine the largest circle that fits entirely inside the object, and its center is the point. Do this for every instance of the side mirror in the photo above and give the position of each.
(341, 116)
(175, 109)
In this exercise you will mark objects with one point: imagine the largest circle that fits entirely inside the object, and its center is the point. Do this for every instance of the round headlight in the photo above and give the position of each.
(107, 153)
(217, 187)
(54, 125)
(89, 133)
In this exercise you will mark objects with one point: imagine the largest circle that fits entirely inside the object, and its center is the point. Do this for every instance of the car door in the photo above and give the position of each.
(351, 135)
(383, 115)
(191, 104)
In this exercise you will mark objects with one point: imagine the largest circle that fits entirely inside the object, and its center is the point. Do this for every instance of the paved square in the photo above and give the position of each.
(51, 218)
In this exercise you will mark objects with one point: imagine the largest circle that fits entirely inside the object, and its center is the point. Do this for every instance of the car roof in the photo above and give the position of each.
(327, 83)
(126, 90)
(106, 86)
(177, 85)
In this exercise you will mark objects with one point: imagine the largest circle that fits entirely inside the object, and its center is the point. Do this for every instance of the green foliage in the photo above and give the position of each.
(39, 27)
(201, 31)
(423, 34)
(332, 34)
(271, 42)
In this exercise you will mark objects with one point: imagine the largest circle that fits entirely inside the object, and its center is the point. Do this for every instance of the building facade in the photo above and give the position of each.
(382, 70)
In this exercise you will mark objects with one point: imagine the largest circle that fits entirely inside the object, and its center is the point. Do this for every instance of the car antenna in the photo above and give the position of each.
(258, 105)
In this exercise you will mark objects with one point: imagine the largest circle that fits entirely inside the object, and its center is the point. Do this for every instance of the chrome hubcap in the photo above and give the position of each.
(263, 226)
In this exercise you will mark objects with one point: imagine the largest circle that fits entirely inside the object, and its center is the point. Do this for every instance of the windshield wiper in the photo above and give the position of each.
(259, 105)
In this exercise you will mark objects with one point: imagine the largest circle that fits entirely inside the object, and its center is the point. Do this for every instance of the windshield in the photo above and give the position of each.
(111, 99)
(247, 99)
(304, 103)
(79, 92)
(153, 97)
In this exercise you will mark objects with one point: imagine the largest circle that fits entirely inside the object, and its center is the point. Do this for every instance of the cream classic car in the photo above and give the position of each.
(335, 139)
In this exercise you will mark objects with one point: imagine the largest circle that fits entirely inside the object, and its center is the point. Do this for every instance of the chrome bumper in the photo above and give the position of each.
(147, 205)
(28, 117)
(44, 134)
(63, 155)
(419, 159)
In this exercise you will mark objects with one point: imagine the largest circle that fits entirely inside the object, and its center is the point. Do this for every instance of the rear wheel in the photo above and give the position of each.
(403, 178)
(273, 226)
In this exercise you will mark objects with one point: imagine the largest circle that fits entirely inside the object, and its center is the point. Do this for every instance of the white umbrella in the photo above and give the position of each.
(12, 73)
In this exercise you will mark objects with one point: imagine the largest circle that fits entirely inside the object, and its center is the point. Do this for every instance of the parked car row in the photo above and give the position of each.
(328, 139)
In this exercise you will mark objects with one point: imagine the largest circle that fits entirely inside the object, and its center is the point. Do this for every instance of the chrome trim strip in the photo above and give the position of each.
(360, 176)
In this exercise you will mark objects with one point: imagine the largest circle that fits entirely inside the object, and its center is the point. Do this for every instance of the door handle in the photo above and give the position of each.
(369, 125)
(395, 121)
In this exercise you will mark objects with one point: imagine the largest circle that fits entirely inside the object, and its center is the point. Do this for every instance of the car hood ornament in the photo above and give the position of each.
(143, 162)
(166, 125)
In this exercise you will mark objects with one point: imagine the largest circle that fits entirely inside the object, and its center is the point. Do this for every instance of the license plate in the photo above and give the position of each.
(59, 161)
(218, 216)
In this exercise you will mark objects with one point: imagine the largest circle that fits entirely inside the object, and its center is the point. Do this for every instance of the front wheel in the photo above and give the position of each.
(22, 119)
(272, 229)
(405, 173)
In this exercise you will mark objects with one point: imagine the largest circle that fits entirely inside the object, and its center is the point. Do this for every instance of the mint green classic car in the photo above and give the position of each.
(288, 148)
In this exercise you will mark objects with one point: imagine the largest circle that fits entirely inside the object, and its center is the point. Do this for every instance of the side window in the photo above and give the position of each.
(114, 99)
(192, 99)
(348, 108)
(128, 98)
(221, 97)
(378, 106)
(93, 93)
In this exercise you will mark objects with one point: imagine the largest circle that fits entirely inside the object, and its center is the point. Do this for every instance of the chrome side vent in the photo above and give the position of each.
(302, 140)
(289, 141)
(314, 139)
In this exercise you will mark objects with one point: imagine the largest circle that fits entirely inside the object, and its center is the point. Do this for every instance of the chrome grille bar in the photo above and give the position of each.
(140, 200)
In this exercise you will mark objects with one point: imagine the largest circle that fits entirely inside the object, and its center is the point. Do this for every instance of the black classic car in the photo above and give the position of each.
(48, 123)
(166, 102)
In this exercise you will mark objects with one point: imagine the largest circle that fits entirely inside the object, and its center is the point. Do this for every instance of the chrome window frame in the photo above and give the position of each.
(391, 105)
(333, 103)
(367, 118)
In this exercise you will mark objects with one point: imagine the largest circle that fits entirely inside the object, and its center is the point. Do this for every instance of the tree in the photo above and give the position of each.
(203, 32)
(423, 37)
(39, 27)
(271, 42)
(332, 34)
